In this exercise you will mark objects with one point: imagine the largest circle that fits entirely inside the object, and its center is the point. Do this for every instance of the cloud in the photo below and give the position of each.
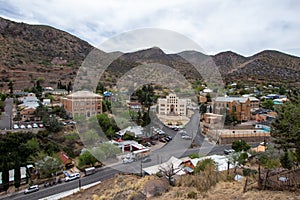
(245, 27)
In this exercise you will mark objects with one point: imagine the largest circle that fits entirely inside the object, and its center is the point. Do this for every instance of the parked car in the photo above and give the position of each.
(228, 151)
(169, 137)
(16, 126)
(34, 125)
(72, 177)
(153, 142)
(127, 160)
(41, 125)
(72, 122)
(148, 144)
(182, 132)
(22, 126)
(162, 140)
(32, 188)
(64, 123)
(29, 126)
(186, 137)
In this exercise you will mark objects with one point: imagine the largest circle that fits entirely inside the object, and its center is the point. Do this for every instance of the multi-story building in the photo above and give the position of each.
(240, 107)
(83, 103)
(172, 105)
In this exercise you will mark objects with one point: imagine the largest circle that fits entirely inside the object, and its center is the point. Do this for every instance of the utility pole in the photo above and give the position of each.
(141, 168)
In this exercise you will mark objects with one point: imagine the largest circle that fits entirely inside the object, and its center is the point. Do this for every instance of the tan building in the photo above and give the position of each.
(240, 107)
(83, 103)
(172, 105)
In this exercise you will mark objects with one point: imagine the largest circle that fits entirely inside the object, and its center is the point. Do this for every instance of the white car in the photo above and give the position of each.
(186, 137)
(16, 126)
(127, 160)
(72, 177)
(32, 188)
(22, 126)
(34, 125)
(29, 126)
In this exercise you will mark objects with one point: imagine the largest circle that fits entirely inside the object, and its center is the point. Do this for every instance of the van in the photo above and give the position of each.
(89, 171)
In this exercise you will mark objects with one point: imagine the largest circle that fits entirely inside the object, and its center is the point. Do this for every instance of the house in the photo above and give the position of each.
(135, 105)
(66, 160)
(239, 107)
(46, 102)
(221, 162)
(27, 114)
(173, 162)
(82, 103)
(29, 101)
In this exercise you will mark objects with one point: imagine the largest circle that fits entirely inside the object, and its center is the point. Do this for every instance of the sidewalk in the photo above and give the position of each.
(68, 193)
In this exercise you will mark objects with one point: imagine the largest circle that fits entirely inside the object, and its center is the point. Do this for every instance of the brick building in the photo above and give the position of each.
(240, 107)
(83, 103)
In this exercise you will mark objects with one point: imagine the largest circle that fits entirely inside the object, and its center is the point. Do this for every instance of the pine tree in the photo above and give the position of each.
(286, 127)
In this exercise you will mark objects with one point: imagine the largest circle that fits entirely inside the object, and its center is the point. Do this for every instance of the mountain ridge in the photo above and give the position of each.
(31, 52)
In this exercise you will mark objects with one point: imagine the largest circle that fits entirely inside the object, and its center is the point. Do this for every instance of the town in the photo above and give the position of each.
(63, 143)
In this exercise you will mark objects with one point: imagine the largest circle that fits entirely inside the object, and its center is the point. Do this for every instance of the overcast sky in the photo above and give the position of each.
(243, 26)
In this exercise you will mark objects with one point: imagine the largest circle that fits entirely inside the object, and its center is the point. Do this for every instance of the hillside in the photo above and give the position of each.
(30, 52)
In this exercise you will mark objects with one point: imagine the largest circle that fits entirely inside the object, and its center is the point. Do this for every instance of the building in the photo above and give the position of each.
(172, 105)
(30, 101)
(82, 103)
(239, 107)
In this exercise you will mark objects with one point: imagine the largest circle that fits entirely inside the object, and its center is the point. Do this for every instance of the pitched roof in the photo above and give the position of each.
(64, 158)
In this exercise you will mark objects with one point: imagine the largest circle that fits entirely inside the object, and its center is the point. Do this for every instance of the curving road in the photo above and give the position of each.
(178, 147)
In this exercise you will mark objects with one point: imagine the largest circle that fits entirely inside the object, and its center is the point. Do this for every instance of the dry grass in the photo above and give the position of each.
(129, 186)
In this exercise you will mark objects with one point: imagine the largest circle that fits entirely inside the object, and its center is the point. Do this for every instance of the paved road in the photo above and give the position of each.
(101, 175)
(178, 147)
(5, 121)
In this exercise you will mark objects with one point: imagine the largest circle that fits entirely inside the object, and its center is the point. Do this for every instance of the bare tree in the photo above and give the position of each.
(169, 172)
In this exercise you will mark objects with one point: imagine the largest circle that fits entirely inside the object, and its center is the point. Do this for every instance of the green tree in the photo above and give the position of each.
(47, 166)
(286, 161)
(240, 145)
(52, 124)
(286, 127)
(203, 164)
(11, 87)
(268, 104)
(17, 174)
(86, 158)
(5, 178)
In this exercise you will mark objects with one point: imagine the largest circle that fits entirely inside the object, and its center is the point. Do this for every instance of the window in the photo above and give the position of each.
(233, 108)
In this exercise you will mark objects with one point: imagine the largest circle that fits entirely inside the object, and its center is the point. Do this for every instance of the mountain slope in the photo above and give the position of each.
(31, 52)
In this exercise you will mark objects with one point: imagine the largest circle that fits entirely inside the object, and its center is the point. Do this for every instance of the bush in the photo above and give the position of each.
(192, 195)
(194, 155)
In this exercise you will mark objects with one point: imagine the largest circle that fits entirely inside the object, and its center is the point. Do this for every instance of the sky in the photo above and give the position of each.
(242, 26)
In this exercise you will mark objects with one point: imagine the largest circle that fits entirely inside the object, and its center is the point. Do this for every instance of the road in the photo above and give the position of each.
(178, 147)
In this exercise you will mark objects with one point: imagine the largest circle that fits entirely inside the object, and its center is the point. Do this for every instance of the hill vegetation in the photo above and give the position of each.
(32, 52)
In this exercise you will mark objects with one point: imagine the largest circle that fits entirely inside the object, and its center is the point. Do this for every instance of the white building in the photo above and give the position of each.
(172, 105)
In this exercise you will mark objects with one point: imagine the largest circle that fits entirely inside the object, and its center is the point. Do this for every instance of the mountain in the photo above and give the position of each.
(31, 52)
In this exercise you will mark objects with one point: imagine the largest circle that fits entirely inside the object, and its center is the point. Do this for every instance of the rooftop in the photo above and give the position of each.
(83, 93)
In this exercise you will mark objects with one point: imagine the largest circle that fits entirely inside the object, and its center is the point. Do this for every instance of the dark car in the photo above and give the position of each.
(153, 142)
(169, 137)
(228, 151)
(162, 140)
